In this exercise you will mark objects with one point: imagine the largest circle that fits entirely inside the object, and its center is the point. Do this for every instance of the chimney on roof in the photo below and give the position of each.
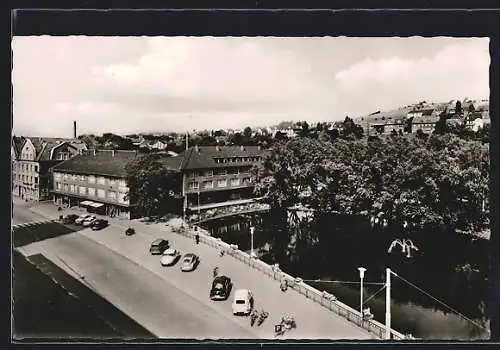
(74, 129)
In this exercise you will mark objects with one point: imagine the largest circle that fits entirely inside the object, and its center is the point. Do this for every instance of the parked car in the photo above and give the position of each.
(170, 257)
(189, 262)
(243, 302)
(89, 220)
(221, 288)
(158, 246)
(99, 224)
(70, 219)
(81, 218)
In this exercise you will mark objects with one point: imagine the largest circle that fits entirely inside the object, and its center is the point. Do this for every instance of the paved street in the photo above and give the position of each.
(24, 215)
(154, 303)
(313, 321)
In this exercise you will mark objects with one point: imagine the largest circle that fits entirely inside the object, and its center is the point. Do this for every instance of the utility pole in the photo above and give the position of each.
(187, 144)
(388, 304)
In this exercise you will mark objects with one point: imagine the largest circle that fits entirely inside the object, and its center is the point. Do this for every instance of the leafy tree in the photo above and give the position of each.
(434, 182)
(279, 136)
(220, 133)
(154, 189)
(236, 139)
(247, 133)
(351, 130)
(458, 108)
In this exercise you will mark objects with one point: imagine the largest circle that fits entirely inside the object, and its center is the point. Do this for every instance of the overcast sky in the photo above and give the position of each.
(140, 84)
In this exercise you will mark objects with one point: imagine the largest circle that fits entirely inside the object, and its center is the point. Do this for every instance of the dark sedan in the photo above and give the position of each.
(70, 219)
(99, 224)
(221, 288)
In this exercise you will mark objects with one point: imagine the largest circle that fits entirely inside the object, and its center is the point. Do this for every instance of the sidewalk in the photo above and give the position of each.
(313, 320)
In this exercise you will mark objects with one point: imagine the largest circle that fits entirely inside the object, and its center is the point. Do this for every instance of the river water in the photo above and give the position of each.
(451, 268)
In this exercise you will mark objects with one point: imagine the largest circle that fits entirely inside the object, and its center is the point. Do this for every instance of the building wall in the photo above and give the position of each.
(104, 189)
(31, 178)
(26, 173)
(234, 178)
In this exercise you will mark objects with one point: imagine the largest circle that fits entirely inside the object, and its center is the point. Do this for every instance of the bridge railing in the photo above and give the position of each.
(323, 298)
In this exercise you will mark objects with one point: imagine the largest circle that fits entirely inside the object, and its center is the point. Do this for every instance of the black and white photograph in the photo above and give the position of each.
(257, 188)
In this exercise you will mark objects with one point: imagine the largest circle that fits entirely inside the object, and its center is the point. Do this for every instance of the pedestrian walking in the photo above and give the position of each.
(197, 238)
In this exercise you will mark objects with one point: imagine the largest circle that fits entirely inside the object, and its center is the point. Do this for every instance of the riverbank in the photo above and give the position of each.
(409, 318)
(46, 309)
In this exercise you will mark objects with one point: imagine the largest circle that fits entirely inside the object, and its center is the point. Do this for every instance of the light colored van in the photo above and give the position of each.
(243, 302)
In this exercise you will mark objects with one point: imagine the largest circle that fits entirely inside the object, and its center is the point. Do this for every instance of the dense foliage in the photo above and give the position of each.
(154, 189)
(430, 182)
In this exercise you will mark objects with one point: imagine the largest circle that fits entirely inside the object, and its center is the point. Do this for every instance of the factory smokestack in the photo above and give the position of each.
(74, 129)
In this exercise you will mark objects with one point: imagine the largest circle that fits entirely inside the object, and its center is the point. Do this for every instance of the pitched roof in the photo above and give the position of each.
(204, 157)
(18, 143)
(104, 162)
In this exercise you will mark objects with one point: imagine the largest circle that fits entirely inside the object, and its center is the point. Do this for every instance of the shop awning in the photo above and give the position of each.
(86, 203)
(96, 205)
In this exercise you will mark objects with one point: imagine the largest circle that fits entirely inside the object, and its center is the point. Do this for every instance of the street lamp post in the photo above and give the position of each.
(388, 304)
(361, 276)
(252, 230)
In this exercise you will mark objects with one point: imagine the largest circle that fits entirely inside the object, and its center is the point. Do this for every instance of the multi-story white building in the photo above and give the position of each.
(95, 180)
(32, 157)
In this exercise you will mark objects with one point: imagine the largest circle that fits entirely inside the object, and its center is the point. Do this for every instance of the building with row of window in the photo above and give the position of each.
(32, 158)
(95, 180)
(212, 177)
(216, 176)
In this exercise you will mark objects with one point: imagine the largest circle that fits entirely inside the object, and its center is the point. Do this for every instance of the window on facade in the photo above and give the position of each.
(82, 178)
(222, 183)
(194, 185)
(36, 180)
(91, 192)
(74, 177)
(246, 180)
(66, 177)
(92, 179)
(208, 184)
(194, 174)
(112, 182)
(57, 176)
(112, 195)
(209, 173)
(58, 185)
(83, 190)
(72, 188)
(66, 187)
(235, 182)
(232, 171)
(101, 193)
(101, 180)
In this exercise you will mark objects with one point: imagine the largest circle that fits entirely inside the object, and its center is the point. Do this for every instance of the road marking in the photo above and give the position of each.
(33, 223)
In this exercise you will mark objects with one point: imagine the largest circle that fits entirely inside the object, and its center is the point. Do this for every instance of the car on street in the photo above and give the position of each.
(99, 224)
(158, 246)
(88, 221)
(170, 257)
(70, 219)
(221, 288)
(189, 262)
(79, 220)
(243, 302)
